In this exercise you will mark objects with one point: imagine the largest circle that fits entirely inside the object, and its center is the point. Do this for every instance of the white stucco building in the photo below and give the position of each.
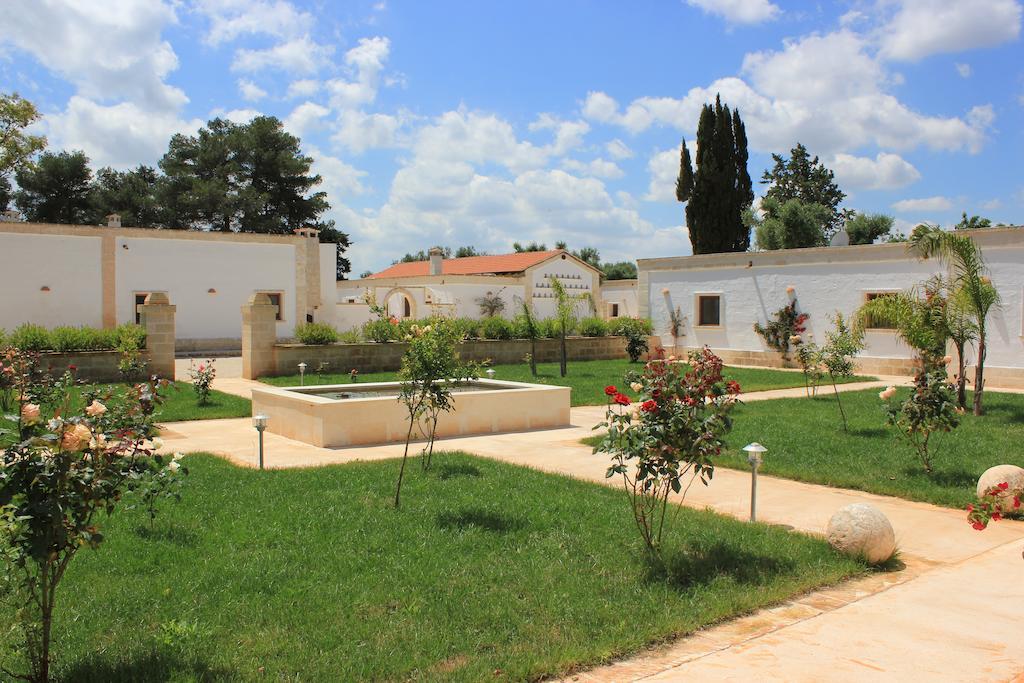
(86, 275)
(452, 287)
(719, 297)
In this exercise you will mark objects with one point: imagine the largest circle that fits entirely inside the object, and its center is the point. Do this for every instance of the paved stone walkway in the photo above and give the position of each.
(955, 613)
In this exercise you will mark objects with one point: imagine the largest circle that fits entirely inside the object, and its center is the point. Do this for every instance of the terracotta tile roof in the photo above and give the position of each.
(471, 265)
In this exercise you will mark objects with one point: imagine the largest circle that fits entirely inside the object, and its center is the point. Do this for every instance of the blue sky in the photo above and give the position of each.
(487, 123)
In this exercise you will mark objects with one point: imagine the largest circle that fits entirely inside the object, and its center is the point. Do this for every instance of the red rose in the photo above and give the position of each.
(733, 387)
(72, 368)
(1004, 486)
(1016, 502)
(996, 516)
(648, 406)
(622, 399)
(610, 390)
(970, 507)
(980, 526)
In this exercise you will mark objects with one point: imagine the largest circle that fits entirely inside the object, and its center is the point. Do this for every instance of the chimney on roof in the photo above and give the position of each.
(114, 220)
(435, 260)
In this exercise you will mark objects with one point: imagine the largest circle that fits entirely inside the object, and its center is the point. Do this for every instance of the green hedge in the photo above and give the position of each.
(316, 334)
(65, 338)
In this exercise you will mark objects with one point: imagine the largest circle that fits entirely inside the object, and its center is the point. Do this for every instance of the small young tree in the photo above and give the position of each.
(531, 333)
(930, 408)
(430, 368)
(842, 343)
(491, 304)
(565, 316)
(672, 439)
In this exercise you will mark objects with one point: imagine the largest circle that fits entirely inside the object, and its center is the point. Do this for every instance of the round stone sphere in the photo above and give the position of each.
(993, 476)
(862, 530)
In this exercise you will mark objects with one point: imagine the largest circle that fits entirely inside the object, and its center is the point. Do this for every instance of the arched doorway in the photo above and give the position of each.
(400, 303)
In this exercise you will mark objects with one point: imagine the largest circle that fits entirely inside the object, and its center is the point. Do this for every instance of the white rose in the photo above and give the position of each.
(636, 387)
(157, 444)
(173, 466)
(95, 409)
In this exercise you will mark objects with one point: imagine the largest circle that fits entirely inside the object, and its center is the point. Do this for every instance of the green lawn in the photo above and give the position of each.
(181, 403)
(311, 575)
(587, 378)
(805, 441)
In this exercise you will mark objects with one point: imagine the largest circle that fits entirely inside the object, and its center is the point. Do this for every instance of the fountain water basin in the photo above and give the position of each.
(339, 415)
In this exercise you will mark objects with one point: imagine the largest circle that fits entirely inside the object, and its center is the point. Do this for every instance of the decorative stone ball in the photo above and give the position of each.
(862, 530)
(993, 476)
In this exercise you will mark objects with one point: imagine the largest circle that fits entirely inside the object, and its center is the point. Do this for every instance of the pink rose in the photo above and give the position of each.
(76, 438)
(30, 413)
(887, 393)
(95, 409)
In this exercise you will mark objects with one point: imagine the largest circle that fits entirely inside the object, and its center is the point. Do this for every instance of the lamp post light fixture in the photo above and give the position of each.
(302, 374)
(754, 452)
(260, 423)
(490, 373)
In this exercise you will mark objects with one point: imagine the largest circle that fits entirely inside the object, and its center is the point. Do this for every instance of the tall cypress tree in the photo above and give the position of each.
(720, 189)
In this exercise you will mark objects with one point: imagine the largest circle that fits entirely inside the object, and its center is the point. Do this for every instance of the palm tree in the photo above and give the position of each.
(962, 331)
(919, 321)
(967, 271)
(972, 222)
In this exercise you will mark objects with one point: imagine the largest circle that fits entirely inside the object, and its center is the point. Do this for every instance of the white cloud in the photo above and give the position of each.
(359, 131)
(568, 134)
(963, 69)
(921, 28)
(239, 116)
(305, 87)
(601, 107)
(300, 55)
(121, 135)
(338, 178)
(739, 11)
(618, 149)
(827, 91)
(250, 91)
(107, 50)
(598, 168)
(884, 172)
(937, 203)
(230, 19)
(664, 169)
(305, 117)
(477, 138)
(366, 61)
(991, 204)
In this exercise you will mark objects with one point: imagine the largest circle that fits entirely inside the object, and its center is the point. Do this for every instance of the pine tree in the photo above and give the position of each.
(56, 189)
(810, 181)
(720, 190)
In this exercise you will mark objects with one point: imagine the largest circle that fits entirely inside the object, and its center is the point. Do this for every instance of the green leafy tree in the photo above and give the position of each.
(791, 225)
(16, 146)
(717, 193)
(930, 408)
(807, 179)
(842, 343)
(202, 170)
(56, 189)
(430, 369)
(589, 255)
(979, 296)
(972, 222)
(622, 270)
(464, 252)
(5, 193)
(865, 228)
(532, 246)
(134, 195)
(566, 317)
(421, 255)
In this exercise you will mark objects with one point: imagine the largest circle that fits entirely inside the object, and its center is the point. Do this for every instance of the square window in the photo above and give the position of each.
(140, 298)
(275, 298)
(870, 322)
(709, 310)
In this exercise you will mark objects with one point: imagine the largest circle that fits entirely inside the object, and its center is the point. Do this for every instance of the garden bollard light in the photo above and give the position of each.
(490, 373)
(260, 423)
(302, 374)
(754, 452)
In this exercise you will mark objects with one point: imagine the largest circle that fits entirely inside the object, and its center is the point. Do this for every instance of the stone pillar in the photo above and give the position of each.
(259, 334)
(158, 319)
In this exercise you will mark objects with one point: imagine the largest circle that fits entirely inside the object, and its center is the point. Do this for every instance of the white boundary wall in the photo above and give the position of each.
(753, 285)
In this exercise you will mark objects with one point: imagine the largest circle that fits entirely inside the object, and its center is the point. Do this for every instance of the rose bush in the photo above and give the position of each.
(59, 471)
(672, 438)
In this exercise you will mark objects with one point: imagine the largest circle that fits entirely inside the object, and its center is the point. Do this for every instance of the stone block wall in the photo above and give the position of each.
(90, 366)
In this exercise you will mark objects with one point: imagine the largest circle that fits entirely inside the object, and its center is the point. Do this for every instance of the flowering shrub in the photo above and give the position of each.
(158, 478)
(994, 504)
(430, 367)
(787, 324)
(931, 408)
(672, 437)
(202, 379)
(59, 470)
(316, 334)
